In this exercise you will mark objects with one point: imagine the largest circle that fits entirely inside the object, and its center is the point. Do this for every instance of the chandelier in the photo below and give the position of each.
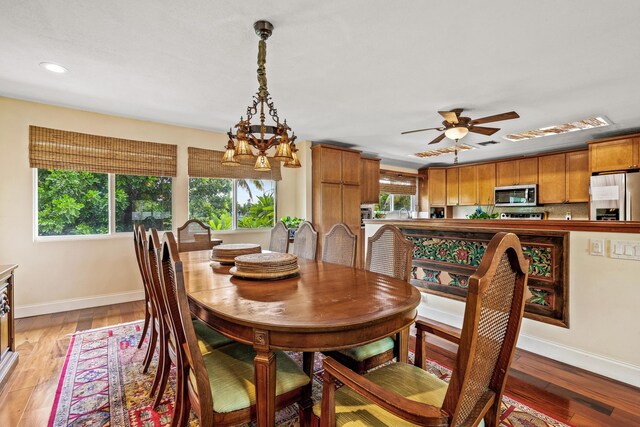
(261, 136)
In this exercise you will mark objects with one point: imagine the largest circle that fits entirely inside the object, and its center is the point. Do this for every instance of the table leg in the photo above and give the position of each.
(306, 405)
(403, 345)
(265, 378)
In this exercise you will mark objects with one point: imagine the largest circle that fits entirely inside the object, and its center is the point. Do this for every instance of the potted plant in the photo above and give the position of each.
(292, 224)
(481, 214)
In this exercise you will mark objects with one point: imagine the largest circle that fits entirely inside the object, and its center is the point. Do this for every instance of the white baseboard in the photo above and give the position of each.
(77, 303)
(611, 368)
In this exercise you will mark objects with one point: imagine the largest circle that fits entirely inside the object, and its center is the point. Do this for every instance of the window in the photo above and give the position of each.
(396, 202)
(143, 199)
(77, 203)
(229, 204)
(71, 202)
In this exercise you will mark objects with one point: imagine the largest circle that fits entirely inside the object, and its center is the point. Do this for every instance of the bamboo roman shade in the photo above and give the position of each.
(394, 183)
(61, 149)
(208, 164)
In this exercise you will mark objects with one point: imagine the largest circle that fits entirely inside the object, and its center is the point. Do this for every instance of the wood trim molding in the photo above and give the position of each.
(614, 138)
(501, 224)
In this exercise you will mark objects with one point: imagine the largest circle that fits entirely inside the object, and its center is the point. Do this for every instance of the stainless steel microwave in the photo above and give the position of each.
(516, 195)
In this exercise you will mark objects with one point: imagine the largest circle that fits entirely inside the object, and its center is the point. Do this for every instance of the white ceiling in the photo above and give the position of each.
(353, 72)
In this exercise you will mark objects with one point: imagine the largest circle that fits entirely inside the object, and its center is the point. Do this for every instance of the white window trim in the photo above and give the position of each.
(112, 234)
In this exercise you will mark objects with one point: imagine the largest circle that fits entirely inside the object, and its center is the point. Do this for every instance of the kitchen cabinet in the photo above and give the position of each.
(369, 180)
(486, 178)
(8, 354)
(335, 189)
(578, 176)
(517, 172)
(564, 178)
(467, 186)
(614, 154)
(452, 187)
(437, 182)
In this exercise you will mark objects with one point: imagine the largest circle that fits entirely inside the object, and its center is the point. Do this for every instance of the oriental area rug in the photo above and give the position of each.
(102, 384)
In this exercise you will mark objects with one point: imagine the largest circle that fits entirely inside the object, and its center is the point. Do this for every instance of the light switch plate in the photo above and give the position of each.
(624, 249)
(596, 247)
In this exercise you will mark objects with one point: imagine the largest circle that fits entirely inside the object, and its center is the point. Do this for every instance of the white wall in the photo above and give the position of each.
(83, 272)
(604, 300)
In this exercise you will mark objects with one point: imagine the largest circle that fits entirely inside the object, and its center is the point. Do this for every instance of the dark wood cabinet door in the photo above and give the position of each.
(577, 176)
(351, 207)
(467, 186)
(507, 173)
(437, 187)
(452, 187)
(486, 174)
(528, 171)
(330, 165)
(351, 169)
(552, 179)
(370, 181)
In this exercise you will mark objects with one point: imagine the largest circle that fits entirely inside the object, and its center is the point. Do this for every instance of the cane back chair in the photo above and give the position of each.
(279, 238)
(339, 246)
(306, 241)
(219, 385)
(389, 253)
(399, 394)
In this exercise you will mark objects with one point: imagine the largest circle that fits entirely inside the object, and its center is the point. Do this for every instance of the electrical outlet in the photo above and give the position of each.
(567, 216)
(596, 247)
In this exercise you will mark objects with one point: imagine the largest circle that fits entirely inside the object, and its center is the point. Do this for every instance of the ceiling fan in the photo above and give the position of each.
(456, 127)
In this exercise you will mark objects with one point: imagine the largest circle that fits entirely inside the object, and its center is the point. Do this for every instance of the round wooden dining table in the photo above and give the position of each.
(325, 307)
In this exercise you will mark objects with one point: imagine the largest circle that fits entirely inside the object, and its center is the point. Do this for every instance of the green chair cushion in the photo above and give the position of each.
(208, 339)
(231, 376)
(406, 380)
(366, 351)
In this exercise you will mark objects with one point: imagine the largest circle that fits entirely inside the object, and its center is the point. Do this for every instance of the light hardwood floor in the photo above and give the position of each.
(568, 394)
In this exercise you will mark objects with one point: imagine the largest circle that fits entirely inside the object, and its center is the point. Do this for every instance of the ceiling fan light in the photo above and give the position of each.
(457, 132)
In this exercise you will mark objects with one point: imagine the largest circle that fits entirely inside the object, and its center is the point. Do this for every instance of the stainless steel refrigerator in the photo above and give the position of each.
(615, 197)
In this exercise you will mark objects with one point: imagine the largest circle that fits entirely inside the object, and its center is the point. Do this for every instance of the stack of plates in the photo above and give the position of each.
(225, 254)
(273, 265)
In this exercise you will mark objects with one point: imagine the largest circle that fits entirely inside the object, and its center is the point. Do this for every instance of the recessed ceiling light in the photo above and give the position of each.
(54, 68)
(594, 122)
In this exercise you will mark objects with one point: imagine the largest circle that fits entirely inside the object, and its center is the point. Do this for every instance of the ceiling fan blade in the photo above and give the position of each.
(438, 139)
(420, 130)
(451, 116)
(496, 118)
(483, 130)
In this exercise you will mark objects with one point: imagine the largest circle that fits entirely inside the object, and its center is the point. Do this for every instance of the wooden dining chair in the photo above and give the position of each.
(194, 235)
(340, 246)
(150, 309)
(398, 393)
(389, 253)
(218, 385)
(279, 238)
(306, 241)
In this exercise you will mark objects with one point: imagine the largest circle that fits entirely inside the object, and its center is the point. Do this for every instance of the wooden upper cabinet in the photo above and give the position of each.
(614, 155)
(552, 179)
(528, 171)
(486, 173)
(369, 180)
(437, 187)
(351, 168)
(577, 176)
(331, 165)
(467, 186)
(517, 172)
(452, 187)
(507, 173)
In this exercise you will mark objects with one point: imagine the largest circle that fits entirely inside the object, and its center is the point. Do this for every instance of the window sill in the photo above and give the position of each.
(242, 231)
(86, 237)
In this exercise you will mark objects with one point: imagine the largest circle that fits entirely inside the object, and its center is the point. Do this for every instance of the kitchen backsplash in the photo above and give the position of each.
(555, 211)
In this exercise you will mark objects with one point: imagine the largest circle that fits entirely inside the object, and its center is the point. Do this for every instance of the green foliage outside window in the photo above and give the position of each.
(211, 201)
(71, 203)
(143, 199)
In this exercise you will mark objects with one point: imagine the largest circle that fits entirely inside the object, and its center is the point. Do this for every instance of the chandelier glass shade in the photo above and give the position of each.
(261, 135)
